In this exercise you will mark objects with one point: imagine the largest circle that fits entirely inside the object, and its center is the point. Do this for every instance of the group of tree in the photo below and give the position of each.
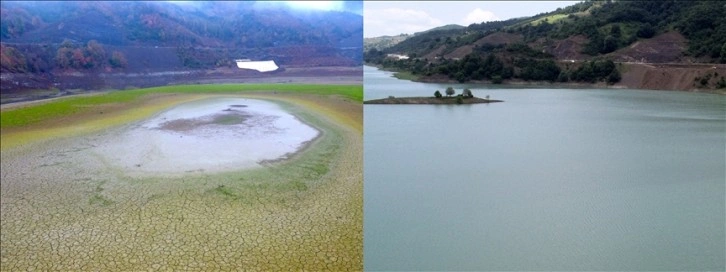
(92, 55)
(466, 93)
(490, 67)
(11, 60)
(473, 67)
(593, 71)
(607, 25)
(221, 23)
(69, 55)
(614, 25)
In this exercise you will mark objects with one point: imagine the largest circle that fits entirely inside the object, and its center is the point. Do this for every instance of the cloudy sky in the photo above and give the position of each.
(393, 17)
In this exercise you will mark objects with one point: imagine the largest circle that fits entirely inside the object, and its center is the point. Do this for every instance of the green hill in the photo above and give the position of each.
(579, 43)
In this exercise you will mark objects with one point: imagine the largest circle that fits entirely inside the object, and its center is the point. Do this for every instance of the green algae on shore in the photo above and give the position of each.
(65, 208)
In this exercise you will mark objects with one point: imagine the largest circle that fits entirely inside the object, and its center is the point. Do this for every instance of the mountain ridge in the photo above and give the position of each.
(81, 44)
(230, 26)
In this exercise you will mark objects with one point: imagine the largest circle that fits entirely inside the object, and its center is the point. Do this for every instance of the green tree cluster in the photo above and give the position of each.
(450, 91)
(467, 93)
(533, 69)
(437, 94)
(596, 70)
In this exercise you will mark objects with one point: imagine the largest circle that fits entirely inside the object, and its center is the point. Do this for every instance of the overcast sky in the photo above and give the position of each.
(392, 17)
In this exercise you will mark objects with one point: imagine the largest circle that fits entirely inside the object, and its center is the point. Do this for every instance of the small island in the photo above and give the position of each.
(466, 97)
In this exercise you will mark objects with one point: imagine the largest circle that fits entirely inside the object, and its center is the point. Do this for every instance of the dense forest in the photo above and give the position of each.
(605, 26)
(521, 62)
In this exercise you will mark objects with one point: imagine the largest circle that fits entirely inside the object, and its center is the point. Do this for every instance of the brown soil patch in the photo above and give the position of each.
(664, 48)
(460, 52)
(231, 118)
(433, 54)
(499, 38)
(567, 49)
(15, 87)
(670, 76)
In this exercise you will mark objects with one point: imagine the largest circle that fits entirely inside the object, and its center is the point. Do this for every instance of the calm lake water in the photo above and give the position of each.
(551, 179)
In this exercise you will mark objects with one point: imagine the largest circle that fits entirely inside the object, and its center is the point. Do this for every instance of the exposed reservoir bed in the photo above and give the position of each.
(67, 206)
(208, 135)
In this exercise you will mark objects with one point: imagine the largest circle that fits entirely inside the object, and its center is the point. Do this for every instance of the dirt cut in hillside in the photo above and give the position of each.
(672, 76)
(664, 48)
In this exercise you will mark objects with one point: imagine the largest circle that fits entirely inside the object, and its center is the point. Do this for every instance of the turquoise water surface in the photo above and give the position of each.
(550, 179)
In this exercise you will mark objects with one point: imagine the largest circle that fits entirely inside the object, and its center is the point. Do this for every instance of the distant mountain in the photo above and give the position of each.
(200, 34)
(441, 28)
(383, 42)
(579, 43)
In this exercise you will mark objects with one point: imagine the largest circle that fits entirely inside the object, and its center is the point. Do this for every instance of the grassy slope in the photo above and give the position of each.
(34, 114)
(550, 19)
(406, 75)
(47, 120)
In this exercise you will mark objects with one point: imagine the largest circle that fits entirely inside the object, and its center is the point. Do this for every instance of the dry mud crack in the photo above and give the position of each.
(64, 207)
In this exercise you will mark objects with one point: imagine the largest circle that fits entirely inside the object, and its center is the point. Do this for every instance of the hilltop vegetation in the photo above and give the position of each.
(580, 43)
(383, 42)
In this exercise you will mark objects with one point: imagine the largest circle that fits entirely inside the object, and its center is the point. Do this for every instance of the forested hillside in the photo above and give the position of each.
(580, 43)
(43, 36)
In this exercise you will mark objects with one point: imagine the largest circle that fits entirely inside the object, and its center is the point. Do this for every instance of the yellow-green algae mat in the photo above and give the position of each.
(63, 208)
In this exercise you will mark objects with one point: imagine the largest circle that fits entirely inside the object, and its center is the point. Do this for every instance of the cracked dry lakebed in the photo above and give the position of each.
(254, 182)
(207, 135)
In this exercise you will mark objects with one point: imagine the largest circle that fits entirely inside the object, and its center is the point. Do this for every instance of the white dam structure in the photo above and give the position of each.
(261, 66)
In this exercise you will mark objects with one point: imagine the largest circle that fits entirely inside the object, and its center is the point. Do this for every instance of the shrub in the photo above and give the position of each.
(704, 81)
(450, 91)
(614, 77)
(437, 94)
(721, 83)
(118, 60)
(467, 93)
(497, 80)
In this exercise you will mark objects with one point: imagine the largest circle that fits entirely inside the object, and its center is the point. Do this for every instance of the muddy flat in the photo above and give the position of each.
(206, 135)
(68, 204)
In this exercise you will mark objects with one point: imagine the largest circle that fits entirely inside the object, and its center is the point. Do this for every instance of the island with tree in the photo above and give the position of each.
(466, 97)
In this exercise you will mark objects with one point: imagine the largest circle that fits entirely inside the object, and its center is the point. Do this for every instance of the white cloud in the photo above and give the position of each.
(316, 5)
(394, 21)
(477, 16)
